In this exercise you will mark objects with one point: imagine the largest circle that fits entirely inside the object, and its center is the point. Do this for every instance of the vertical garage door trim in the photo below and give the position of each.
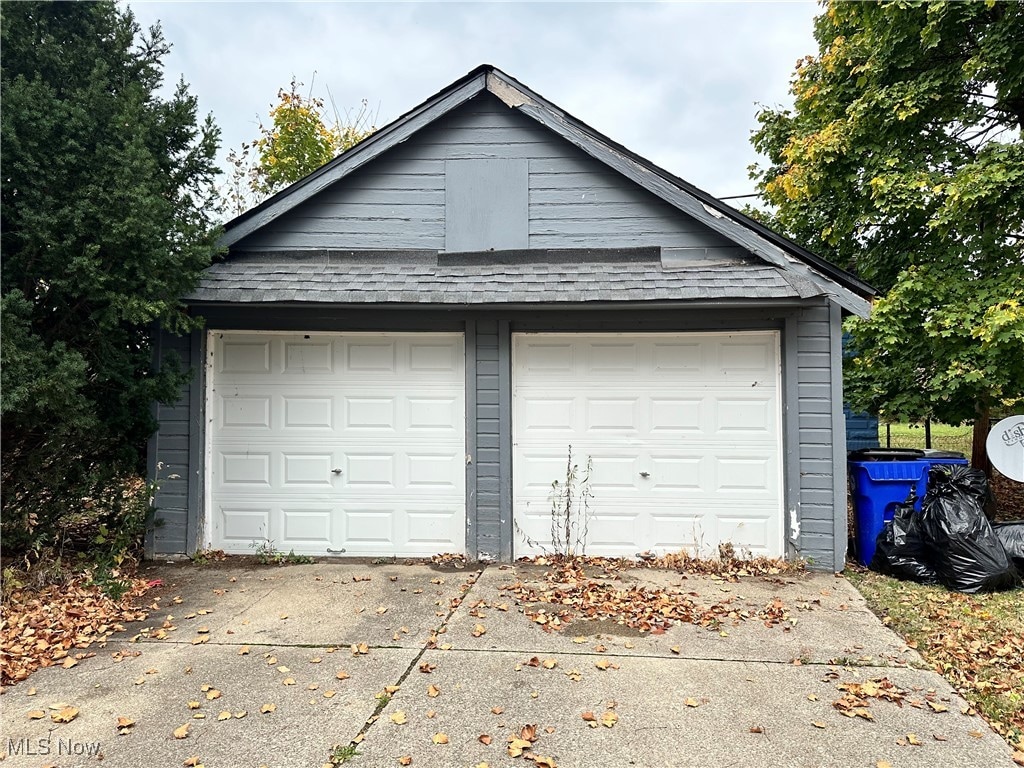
(684, 430)
(336, 443)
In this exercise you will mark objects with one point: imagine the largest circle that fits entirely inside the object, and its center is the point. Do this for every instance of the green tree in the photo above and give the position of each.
(301, 137)
(902, 159)
(106, 222)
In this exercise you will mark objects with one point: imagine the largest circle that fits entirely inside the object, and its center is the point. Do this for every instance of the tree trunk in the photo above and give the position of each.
(979, 456)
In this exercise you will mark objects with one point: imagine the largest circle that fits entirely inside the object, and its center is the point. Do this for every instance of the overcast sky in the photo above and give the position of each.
(678, 83)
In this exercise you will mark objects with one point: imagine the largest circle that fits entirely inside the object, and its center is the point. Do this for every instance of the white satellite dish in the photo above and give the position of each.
(1005, 446)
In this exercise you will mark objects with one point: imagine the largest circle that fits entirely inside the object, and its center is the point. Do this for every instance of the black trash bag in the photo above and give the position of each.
(899, 550)
(1011, 536)
(961, 545)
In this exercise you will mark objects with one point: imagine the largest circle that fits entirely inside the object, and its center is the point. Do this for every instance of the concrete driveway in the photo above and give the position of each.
(280, 639)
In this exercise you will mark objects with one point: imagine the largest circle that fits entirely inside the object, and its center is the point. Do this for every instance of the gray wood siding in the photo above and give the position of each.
(398, 200)
(169, 452)
(817, 444)
(487, 420)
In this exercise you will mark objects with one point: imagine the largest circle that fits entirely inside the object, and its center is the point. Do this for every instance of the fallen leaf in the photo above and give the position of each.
(479, 630)
(240, 714)
(342, 675)
(243, 651)
(913, 740)
(398, 718)
(426, 667)
(589, 716)
(192, 762)
(484, 739)
(817, 724)
(283, 669)
(549, 664)
(440, 738)
(676, 650)
(194, 705)
(528, 733)
(225, 715)
(405, 760)
(938, 707)
(182, 732)
(609, 718)
(433, 691)
(497, 710)
(212, 694)
(65, 715)
(756, 729)
(360, 649)
(36, 714)
(691, 702)
(266, 709)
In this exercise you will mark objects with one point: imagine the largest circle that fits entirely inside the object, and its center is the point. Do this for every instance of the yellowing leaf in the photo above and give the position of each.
(691, 702)
(549, 664)
(182, 732)
(938, 707)
(212, 694)
(602, 664)
(194, 705)
(913, 740)
(609, 718)
(225, 715)
(266, 709)
(440, 738)
(398, 718)
(479, 630)
(240, 714)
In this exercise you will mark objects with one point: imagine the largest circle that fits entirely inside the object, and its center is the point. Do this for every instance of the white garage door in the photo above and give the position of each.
(682, 431)
(327, 443)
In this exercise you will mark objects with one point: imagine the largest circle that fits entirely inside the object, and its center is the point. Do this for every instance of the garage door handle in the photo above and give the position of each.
(645, 475)
(336, 471)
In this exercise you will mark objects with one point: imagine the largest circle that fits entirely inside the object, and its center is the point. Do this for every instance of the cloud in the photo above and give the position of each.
(675, 82)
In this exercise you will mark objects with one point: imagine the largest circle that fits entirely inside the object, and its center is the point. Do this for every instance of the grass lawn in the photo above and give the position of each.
(975, 641)
(944, 437)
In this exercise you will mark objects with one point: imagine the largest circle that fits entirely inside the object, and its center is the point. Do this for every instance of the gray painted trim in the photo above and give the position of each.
(153, 447)
(196, 441)
(791, 434)
(380, 142)
(472, 520)
(839, 539)
(505, 525)
(690, 205)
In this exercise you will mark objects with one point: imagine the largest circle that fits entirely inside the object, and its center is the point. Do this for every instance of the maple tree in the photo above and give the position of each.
(902, 159)
(301, 137)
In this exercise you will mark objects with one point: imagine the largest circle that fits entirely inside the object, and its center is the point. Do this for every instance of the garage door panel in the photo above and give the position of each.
(244, 356)
(308, 356)
(242, 524)
(246, 412)
(371, 413)
(308, 412)
(306, 528)
(682, 431)
(387, 410)
(245, 469)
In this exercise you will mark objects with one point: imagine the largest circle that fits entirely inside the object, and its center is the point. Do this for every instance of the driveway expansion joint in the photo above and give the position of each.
(474, 577)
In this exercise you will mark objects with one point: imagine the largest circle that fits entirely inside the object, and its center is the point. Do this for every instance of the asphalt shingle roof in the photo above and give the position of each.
(526, 277)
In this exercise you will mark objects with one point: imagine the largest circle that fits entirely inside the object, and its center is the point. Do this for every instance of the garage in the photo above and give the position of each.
(681, 431)
(336, 443)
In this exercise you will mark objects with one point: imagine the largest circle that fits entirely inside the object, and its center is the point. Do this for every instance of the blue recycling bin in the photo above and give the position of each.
(881, 478)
